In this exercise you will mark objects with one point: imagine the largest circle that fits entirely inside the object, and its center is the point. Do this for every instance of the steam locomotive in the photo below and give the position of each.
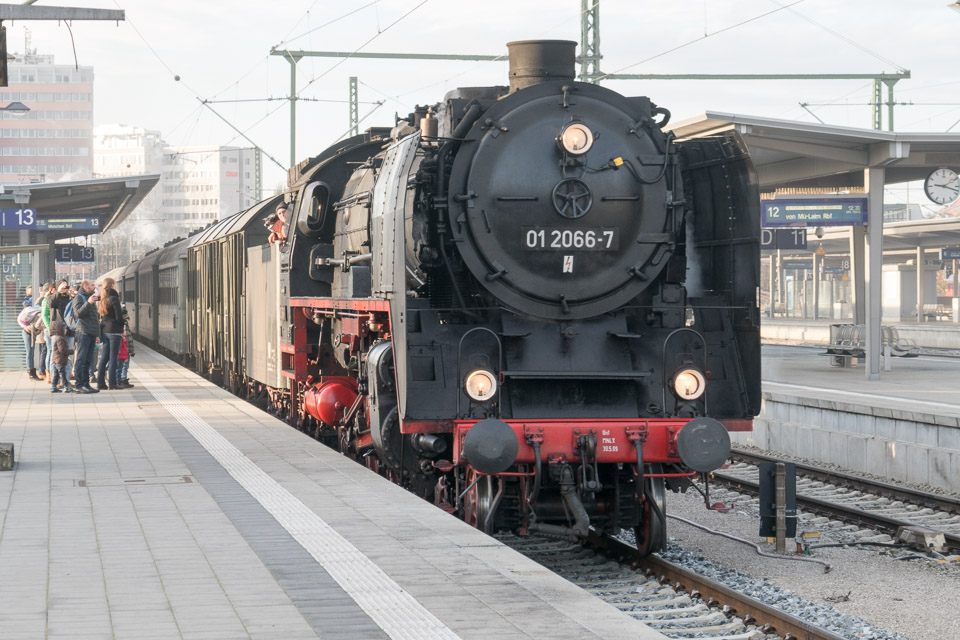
(530, 304)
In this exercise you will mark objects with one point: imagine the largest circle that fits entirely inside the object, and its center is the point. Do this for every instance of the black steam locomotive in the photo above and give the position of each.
(530, 304)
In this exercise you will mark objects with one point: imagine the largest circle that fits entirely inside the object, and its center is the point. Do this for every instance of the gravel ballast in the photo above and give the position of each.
(867, 594)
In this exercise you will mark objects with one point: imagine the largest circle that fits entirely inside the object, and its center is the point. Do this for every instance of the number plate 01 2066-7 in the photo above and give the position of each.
(597, 239)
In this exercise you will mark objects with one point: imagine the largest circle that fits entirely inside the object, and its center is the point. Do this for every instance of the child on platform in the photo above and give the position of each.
(58, 358)
(126, 352)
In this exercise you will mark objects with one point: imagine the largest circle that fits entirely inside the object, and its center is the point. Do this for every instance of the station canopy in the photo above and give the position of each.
(801, 155)
(79, 207)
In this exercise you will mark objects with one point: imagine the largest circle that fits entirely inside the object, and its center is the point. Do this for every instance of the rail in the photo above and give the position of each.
(770, 619)
(845, 513)
(948, 504)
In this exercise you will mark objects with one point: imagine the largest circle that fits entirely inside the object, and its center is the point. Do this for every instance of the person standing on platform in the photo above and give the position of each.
(58, 311)
(48, 314)
(59, 354)
(28, 347)
(43, 335)
(88, 332)
(111, 335)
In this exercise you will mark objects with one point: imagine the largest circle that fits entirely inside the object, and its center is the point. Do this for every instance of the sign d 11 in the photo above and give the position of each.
(950, 253)
(795, 239)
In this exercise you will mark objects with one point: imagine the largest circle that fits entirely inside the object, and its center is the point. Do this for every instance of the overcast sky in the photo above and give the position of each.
(220, 50)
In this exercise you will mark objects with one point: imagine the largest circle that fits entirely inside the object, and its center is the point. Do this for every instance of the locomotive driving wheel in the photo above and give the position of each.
(651, 533)
(477, 499)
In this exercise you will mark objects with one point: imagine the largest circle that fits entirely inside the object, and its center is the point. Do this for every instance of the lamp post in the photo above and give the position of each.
(16, 109)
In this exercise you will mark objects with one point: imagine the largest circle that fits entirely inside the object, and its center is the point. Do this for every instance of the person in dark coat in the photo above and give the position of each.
(88, 331)
(111, 335)
(58, 311)
(59, 352)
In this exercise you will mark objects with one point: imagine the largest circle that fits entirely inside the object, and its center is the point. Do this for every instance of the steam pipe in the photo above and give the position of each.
(473, 112)
(429, 443)
(568, 491)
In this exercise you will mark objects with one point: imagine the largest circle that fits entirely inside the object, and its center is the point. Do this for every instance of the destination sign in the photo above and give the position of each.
(20, 218)
(791, 239)
(814, 212)
(69, 223)
(950, 253)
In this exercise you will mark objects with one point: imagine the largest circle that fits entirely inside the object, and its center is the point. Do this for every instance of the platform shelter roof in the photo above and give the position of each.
(108, 200)
(788, 153)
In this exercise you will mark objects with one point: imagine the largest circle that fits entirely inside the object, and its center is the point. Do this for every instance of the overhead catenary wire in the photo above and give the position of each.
(368, 114)
(362, 46)
(842, 37)
(334, 66)
(287, 98)
(287, 39)
(266, 58)
(474, 65)
(696, 40)
(241, 133)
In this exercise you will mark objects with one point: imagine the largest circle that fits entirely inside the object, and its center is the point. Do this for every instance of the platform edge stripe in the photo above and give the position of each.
(395, 610)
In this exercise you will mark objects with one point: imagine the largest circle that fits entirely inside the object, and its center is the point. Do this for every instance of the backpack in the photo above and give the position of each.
(37, 328)
(70, 320)
(28, 316)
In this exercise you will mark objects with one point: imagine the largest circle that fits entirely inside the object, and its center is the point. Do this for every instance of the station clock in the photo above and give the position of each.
(942, 186)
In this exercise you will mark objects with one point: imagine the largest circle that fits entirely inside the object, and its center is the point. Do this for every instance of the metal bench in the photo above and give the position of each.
(848, 341)
(899, 347)
(937, 311)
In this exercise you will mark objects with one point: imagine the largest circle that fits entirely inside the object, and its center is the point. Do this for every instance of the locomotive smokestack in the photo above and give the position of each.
(536, 61)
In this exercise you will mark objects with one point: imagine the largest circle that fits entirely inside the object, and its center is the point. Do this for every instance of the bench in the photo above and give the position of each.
(942, 309)
(848, 341)
(899, 347)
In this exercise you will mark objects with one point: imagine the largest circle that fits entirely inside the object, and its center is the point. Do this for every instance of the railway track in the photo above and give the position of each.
(854, 499)
(669, 598)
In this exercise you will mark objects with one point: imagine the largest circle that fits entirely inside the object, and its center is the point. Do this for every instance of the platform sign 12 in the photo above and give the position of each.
(20, 218)
(814, 212)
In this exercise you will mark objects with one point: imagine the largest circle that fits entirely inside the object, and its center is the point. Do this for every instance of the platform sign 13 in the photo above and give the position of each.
(22, 218)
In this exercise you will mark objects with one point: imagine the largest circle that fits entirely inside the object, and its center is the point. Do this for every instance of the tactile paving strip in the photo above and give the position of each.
(398, 613)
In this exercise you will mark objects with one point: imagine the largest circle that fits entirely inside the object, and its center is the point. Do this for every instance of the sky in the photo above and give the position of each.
(152, 69)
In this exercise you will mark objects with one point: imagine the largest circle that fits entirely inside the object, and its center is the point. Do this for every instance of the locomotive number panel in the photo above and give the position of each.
(546, 238)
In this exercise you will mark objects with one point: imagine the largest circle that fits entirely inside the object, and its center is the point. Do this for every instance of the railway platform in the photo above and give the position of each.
(905, 426)
(175, 510)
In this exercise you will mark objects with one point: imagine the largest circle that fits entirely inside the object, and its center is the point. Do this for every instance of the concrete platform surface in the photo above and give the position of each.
(903, 427)
(940, 335)
(929, 384)
(175, 510)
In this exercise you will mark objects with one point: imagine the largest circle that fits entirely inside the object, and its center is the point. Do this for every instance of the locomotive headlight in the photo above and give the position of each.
(481, 385)
(576, 139)
(689, 384)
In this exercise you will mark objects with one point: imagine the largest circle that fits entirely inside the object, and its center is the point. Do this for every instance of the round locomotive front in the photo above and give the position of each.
(558, 199)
